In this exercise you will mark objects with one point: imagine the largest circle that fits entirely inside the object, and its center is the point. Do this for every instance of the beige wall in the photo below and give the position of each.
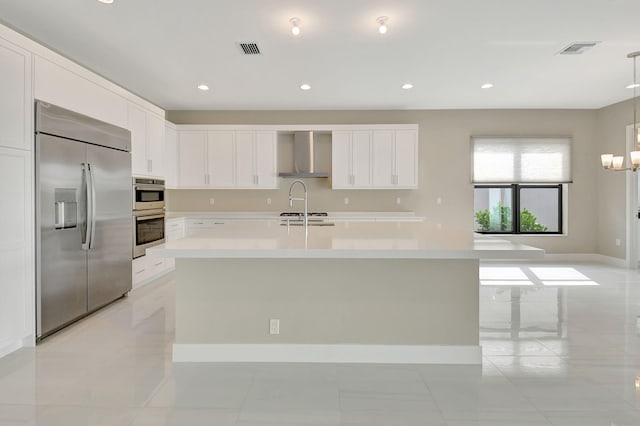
(611, 186)
(444, 166)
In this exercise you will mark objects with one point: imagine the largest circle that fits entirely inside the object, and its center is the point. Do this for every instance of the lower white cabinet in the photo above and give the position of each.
(147, 268)
(196, 225)
(174, 230)
(16, 249)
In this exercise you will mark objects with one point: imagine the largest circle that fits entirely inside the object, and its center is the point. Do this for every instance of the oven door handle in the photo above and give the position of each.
(139, 218)
(146, 187)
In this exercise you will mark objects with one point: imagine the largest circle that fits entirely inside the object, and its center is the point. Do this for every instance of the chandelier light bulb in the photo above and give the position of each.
(295, 27)
(607, 160)
(382, 22)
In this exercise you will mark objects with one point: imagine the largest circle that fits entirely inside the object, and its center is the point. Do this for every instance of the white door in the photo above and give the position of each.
(192, 159)
(245, 159)
(361, 159)
(16, 107)
(383, 158)
(341, 159)
(406, 153)
(266, 160)
(137, 120)
(220, 159)
(155, 145)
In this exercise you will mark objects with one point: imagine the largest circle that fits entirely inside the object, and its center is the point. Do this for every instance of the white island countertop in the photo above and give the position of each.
(344, 240)
(333, 216)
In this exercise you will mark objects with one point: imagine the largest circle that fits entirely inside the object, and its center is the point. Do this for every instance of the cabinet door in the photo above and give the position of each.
(155, 146)
(16, 107)
(245, 159)
(266, 160)
(383, 158)
(341, 159)
(192, 159)
(16, 248)
(138, 127)
(406, 156)
(361, 159)
(220, 159)
(171, 156)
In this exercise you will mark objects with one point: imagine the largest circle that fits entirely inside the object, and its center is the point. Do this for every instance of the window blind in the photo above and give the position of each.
(521, 160)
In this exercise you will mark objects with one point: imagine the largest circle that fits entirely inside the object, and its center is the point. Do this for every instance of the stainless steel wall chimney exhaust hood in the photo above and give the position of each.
(303, 161)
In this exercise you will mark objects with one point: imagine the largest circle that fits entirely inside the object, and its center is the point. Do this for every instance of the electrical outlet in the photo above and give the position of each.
(439, 200)
(212, 201)
(618, 242)
(268, 201)
(398, 200)
(274, 326)
(346, 200)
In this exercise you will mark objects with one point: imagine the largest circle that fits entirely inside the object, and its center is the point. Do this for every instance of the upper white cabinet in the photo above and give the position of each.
(170, 155)
(256, 160)
(147, 141)
(351, 156)
(227, 159)
(16, 108)
(65, 88)
(374, 159)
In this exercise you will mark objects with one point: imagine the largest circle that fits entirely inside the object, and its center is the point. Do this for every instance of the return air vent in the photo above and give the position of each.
(250, 48)
(578, 48)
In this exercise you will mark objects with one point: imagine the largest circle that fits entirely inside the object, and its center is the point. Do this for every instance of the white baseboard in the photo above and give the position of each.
(571, 257)
(6, 347)
(380, 354)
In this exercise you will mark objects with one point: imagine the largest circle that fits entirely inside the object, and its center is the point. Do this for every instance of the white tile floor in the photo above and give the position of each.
(561, 347)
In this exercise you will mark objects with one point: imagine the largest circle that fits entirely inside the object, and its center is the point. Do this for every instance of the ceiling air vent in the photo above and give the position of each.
(578, 48)
(250, 48)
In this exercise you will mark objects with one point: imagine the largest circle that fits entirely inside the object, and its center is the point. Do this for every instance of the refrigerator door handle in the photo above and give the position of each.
(91, 214)
(87, 209)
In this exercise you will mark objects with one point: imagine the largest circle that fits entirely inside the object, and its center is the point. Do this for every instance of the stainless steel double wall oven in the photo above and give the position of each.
(148, 214)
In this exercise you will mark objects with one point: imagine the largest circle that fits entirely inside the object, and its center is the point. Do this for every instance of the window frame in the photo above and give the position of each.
(515, 207)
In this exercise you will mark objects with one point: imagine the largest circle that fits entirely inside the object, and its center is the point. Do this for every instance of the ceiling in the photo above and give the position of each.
(162, 49)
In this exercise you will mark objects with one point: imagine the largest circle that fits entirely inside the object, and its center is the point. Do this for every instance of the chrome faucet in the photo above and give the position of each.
(292, 199)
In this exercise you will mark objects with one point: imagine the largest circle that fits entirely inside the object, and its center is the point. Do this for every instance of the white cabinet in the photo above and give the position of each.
(171, 155)
(16, 105)
(146, 269)
(174, 230)
(16, 248)
(147, 142)
(256, 162)
(374, 159)
(194, 225)
(220, 159)
(65, 88)
(351, 154)
(192, 160)
(227, 159)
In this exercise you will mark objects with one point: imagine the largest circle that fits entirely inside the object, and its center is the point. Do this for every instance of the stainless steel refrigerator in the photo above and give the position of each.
(83, 216)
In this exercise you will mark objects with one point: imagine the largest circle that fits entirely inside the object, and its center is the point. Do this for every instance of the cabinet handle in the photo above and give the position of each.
(158, 264)
(352, 179)
(149, 166)
(140, 271)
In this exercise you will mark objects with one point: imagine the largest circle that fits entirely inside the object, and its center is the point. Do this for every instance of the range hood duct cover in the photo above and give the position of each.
(303, 161)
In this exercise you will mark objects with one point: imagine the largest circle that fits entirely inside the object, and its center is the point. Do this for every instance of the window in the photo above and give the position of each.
(518, 183)
(518, 209)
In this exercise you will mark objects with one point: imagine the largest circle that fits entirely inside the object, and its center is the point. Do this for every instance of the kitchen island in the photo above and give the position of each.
(343, 292)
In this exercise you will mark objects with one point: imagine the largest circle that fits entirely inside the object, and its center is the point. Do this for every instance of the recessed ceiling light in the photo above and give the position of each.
(305, 86)
(407, 86)
(382, 24)
(295, 27)
(203, 87)
(486, 86)
(633, 85)
(106, 1)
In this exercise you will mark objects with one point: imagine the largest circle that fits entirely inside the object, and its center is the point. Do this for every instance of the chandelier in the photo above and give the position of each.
(616, 162)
